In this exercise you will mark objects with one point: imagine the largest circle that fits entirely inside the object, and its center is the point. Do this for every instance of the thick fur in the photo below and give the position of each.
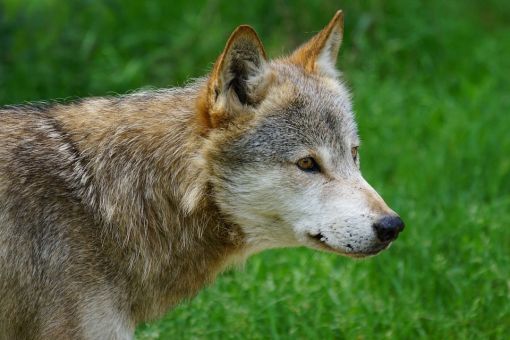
(112, 210)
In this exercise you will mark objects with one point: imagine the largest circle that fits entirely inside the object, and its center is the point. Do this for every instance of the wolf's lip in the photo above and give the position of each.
(319, 241)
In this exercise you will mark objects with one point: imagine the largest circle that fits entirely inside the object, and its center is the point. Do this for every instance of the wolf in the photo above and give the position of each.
(115, 209)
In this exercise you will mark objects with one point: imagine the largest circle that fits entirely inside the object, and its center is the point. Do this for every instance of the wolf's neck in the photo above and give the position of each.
(145, 180)
(139, 149)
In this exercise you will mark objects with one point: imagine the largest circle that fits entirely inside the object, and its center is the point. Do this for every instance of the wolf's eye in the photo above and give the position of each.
(308, 164)
(354, 152)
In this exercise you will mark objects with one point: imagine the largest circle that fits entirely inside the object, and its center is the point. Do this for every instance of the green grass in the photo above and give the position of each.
(432, 96)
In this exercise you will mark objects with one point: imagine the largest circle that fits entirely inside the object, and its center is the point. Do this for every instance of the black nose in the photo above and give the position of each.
(388, 227)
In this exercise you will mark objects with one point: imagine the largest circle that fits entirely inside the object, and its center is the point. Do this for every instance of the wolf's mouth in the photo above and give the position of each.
(318, 237)
(320, 241)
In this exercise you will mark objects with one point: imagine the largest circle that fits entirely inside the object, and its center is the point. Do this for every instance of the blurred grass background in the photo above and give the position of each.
(432, 95)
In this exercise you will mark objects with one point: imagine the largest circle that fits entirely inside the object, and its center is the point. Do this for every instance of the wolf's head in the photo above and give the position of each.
(282, 149)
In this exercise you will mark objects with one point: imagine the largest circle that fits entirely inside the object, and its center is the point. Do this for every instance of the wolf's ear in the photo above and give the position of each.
(319, 54)
(238, 80)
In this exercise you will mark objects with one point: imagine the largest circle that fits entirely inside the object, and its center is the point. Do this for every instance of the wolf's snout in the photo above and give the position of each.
(388, 228)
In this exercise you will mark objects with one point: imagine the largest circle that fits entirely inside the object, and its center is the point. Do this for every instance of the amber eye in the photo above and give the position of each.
(354, 152)
(308, 164)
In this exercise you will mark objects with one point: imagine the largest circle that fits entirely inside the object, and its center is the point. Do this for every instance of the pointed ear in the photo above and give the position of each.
(319, 54)
(238, 80)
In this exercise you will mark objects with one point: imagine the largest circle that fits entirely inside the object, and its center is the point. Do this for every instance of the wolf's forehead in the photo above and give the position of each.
(327, 97)
(306, 119)
(317, 122)
(320, 107)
